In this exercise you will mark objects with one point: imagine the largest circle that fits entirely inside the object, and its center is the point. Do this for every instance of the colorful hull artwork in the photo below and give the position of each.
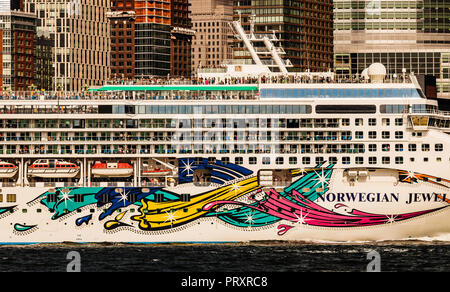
(317, 204)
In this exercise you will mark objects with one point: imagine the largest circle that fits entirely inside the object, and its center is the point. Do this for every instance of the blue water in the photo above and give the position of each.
(411, 256)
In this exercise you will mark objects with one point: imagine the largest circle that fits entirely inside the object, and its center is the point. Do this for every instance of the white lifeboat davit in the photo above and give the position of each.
(112, 169)
(53, 168)
(7, 170)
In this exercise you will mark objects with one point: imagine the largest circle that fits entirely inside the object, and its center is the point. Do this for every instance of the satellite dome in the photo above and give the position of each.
(377, 72)
(377, 69)
(365, 73)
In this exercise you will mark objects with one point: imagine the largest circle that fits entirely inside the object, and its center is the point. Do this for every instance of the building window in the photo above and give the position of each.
(398, 134)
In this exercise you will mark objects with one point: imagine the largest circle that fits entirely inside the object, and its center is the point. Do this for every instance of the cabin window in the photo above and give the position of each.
(439, 147)
(52, 198)
(412, 147)
(399, 147)
(346, 109)
(11, 198)
(306, 160)
(320, 160)
(399, 122)
(159, 198)
(386, 160)
(252, 160)
(185, 197)
(399, 160)
(1, 198)
(372, 122)
(104, 199)
(78, 198)
(426, 147)
(372, 160)
(333, 160)
(292, 160)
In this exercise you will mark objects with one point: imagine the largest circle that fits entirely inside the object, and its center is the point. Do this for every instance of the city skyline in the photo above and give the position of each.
(98, 40)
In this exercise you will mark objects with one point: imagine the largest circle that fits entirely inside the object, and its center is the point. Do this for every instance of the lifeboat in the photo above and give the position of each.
(53, 168)
(156, 172)
(112, 169)
(157, 168)
(7, 170)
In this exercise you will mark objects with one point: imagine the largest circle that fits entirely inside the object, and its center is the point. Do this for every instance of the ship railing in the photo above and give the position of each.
(430, 112)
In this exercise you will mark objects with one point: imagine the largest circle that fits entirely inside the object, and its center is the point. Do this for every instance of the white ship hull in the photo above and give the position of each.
(319, 204)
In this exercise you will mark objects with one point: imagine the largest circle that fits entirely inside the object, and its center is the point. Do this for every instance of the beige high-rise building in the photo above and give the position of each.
(213, 39)
(81, 35)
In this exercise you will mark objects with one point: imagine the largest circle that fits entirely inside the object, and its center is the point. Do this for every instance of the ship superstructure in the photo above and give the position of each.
(233, 157)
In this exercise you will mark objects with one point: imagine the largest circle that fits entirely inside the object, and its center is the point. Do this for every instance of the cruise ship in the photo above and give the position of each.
(245, 152)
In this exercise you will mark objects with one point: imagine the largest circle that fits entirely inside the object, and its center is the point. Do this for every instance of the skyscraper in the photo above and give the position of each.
(304, 28)
(213, 40)
(181, 38)
(152, 38)
(17, 54)
(405, 36)
(80, 32)
(122, 24)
